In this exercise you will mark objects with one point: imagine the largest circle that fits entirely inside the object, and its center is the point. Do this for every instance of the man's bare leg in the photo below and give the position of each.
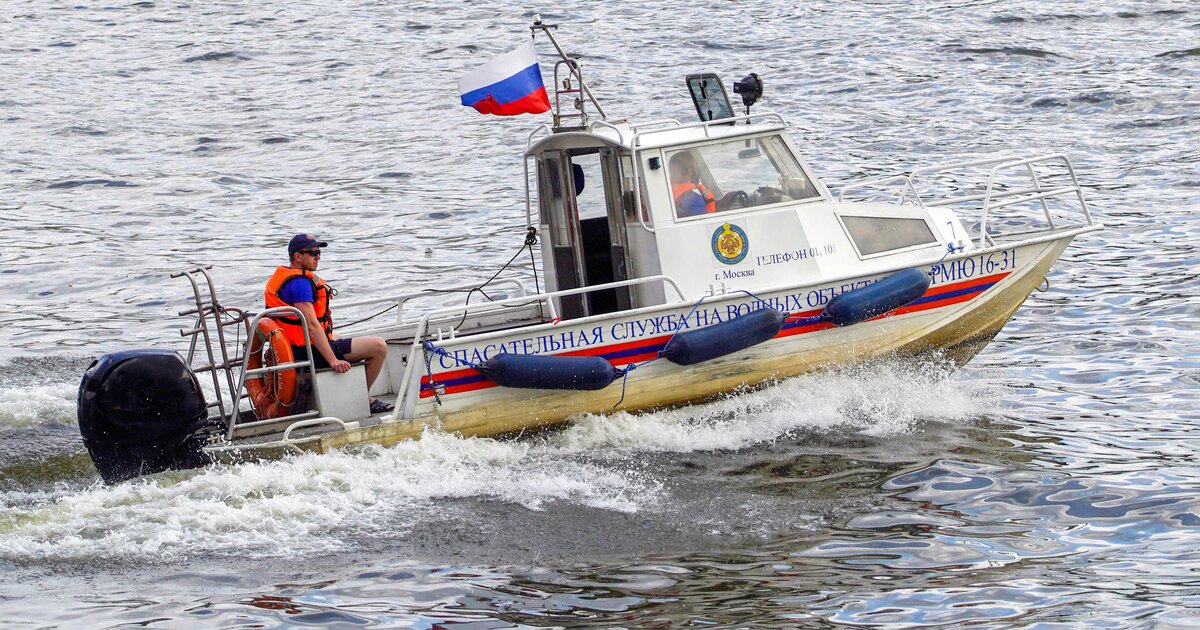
(373, 350)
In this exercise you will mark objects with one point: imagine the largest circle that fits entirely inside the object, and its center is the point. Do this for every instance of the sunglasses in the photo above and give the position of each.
(316, 253)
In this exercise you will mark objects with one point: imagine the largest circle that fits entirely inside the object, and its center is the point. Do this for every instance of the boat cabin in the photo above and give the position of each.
(714, 205)
(723, 204)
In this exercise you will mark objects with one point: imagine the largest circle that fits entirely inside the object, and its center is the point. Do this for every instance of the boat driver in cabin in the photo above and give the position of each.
(692, 197)
(297, 285)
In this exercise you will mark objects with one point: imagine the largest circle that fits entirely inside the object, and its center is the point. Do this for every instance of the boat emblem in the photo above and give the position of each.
(730, 244)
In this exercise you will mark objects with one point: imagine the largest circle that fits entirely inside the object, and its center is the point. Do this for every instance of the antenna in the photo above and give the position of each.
(567, 85)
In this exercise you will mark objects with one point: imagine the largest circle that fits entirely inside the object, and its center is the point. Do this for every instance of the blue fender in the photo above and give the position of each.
(876, 299)
(727, 337)
(532, 371)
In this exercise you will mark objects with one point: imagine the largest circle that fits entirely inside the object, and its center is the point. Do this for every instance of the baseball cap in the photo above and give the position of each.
(304, 241)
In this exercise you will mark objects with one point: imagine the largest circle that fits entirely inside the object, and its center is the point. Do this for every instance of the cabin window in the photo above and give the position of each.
(874, 235)
(736, 174)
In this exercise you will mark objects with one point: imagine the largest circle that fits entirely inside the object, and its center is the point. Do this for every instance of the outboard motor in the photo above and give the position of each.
(142, 412)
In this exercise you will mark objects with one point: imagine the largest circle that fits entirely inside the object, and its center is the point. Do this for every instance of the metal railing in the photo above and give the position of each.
(598, 124)
(212, 319)
(234, 421)
(905, 180)
(204, 328)
(539, 130)
(993, 196)
(670, 124)
(657, 122)
(403, 298)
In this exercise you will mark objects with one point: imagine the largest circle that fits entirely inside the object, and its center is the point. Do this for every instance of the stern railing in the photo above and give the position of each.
(211, 320)
(235, 421)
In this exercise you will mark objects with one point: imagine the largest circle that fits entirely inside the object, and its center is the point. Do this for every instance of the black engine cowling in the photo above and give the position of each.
(142, 412)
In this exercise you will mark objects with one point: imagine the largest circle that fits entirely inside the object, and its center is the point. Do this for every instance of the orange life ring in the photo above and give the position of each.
(273, 393)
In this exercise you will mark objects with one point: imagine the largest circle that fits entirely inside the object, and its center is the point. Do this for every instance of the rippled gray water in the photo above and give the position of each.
(1052, 481)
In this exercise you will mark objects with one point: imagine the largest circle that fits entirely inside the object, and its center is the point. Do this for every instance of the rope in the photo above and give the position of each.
(950, 249)
(533, 261)
(429, 371)
(530, 241)
(625, 379)
(369, 317)
(633, 366)
(431, 350)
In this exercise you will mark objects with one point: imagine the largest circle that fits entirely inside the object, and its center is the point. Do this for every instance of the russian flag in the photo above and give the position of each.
(508, 85)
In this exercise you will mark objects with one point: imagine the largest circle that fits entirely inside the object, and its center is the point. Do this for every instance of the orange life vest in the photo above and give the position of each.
(291, 325)
(710, 202)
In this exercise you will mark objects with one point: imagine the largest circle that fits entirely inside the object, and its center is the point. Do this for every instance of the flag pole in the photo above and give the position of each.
(570, 63)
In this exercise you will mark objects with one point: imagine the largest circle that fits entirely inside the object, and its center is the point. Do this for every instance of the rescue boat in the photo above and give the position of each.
(642, 300)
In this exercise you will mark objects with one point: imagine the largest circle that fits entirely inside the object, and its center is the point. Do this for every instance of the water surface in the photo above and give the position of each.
(1052, 481)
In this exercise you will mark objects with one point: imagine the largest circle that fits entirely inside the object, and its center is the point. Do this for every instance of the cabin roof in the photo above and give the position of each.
(650, 135)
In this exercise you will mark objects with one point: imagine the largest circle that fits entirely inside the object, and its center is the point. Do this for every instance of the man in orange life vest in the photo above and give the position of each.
(693, 198)
(298, 286)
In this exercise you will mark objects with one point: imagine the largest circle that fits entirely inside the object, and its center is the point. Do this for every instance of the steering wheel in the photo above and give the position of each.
(737, 199)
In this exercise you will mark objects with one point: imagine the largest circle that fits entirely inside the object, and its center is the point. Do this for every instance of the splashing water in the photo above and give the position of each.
(302, 505)
(314, 504)
(25, 407)
(877, 399)
(1052, 482)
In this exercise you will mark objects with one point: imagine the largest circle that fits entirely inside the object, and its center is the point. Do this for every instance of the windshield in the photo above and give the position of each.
(736, 174)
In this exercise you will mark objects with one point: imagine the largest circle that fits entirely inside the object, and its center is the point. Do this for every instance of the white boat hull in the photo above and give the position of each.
(971, 298)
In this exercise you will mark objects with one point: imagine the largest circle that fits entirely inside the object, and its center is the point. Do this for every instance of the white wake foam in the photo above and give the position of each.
(315, 503)
(879, 399)
(305, 504)
(23, 407)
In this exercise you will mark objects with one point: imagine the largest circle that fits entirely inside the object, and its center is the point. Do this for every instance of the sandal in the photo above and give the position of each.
(379, 406)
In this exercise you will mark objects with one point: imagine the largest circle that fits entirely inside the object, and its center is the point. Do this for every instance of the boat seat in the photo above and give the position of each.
(329, 369)
(343, 395)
